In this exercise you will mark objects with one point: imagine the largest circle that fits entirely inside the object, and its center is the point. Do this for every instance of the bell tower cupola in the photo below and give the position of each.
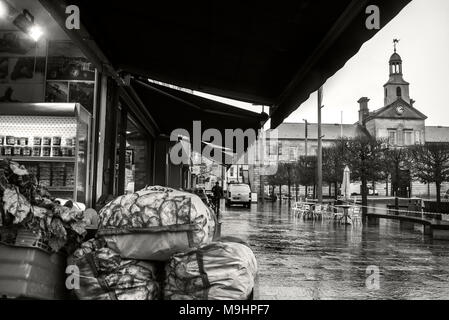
(396, 87)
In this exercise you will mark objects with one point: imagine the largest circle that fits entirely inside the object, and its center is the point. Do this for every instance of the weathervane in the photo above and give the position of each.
(395, 41)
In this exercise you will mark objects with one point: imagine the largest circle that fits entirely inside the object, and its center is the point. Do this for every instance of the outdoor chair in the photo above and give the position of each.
(355, 213)
(306, 211)
(296, 208)
(317, 212)
(336, 215)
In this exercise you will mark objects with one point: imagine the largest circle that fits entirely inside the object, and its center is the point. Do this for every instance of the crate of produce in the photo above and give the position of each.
(28, 270)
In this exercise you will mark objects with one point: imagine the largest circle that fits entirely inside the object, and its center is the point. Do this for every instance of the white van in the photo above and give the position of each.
(238, 193)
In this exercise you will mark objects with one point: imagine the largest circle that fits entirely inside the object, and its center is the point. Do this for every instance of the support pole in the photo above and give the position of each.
(320, 150)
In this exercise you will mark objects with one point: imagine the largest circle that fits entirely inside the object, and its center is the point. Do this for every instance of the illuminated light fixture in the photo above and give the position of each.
(35, 32)
(3, 9)
(7, 11)
(25, 22)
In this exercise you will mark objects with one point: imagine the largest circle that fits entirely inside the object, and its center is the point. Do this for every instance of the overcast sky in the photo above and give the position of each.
(423, 30)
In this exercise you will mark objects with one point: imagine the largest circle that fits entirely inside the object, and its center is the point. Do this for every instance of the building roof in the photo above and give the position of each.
(437, 134)
(395, 58)
(381, 113)
(330, 131)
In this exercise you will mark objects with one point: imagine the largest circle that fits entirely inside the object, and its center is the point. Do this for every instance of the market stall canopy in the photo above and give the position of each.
(174, 109)
(271, 53)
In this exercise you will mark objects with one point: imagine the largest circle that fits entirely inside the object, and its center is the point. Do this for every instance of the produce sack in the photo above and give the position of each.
(156, 222)
(104, 275)
(217, 271)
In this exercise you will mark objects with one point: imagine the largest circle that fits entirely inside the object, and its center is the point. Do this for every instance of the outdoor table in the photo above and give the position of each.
(346, 215)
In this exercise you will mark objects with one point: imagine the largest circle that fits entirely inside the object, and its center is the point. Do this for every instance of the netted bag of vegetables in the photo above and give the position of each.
(104, 275)
(28, 206)
(217, 271)
(156, 222)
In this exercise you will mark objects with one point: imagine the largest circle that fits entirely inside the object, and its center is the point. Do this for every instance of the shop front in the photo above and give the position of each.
(83, 118)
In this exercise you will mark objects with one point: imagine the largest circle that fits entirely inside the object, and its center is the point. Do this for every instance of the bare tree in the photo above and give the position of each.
(431, 164)
(363, 155)
(393, 159)
(333, 165)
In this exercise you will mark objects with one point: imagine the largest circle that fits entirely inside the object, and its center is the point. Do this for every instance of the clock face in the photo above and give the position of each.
(400, 109)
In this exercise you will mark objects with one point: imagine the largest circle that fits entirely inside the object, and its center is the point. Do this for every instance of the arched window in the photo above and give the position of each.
(386, 92)
(399, 92)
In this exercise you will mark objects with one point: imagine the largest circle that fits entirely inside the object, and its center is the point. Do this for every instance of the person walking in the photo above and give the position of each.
(217, 192)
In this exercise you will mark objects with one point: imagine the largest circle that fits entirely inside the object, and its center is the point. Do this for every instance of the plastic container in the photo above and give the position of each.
(29, 271)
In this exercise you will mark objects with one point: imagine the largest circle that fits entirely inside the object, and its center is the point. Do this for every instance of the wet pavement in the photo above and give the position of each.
(324, 260)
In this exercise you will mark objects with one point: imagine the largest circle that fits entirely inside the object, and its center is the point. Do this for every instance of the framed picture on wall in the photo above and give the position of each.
(22, 67)
(67, 62)
(83, 93)
(57, 91)
(14, 43)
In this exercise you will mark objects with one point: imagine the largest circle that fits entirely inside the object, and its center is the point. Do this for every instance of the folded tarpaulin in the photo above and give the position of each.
(218, 271)
(156, 222)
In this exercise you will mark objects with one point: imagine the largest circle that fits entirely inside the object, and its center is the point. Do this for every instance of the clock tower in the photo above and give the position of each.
(396, 87)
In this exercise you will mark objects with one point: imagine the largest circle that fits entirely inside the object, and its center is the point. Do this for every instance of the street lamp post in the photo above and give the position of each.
(305, 147)
(305, 135)
(320, 150)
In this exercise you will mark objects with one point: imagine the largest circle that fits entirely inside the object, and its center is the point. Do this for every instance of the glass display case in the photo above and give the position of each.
(52, 141)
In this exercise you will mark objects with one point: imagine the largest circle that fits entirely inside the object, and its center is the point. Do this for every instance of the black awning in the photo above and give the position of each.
(172, 109)
(273, 53)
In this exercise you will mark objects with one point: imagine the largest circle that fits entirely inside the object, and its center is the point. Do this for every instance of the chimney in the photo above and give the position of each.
(363, 111)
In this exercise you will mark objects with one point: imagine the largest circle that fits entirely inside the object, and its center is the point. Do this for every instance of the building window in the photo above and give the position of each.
(291, 154)
(280, 148)
(231, 172)
(272, 148)
(399, 92)
(417, 137)
(392, 137)
(408, 136)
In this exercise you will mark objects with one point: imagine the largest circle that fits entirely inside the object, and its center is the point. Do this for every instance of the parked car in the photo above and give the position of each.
(372, 192)
(355, 189)
(270, 197)
(238, 193)
(286, 197)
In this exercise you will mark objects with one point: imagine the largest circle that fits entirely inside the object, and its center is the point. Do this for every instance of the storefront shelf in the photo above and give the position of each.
(44, 159)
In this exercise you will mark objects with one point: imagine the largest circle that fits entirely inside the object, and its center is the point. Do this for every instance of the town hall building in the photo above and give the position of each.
(399, 121)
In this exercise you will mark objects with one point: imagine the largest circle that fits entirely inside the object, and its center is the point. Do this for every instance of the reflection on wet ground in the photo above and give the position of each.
(324, 260)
